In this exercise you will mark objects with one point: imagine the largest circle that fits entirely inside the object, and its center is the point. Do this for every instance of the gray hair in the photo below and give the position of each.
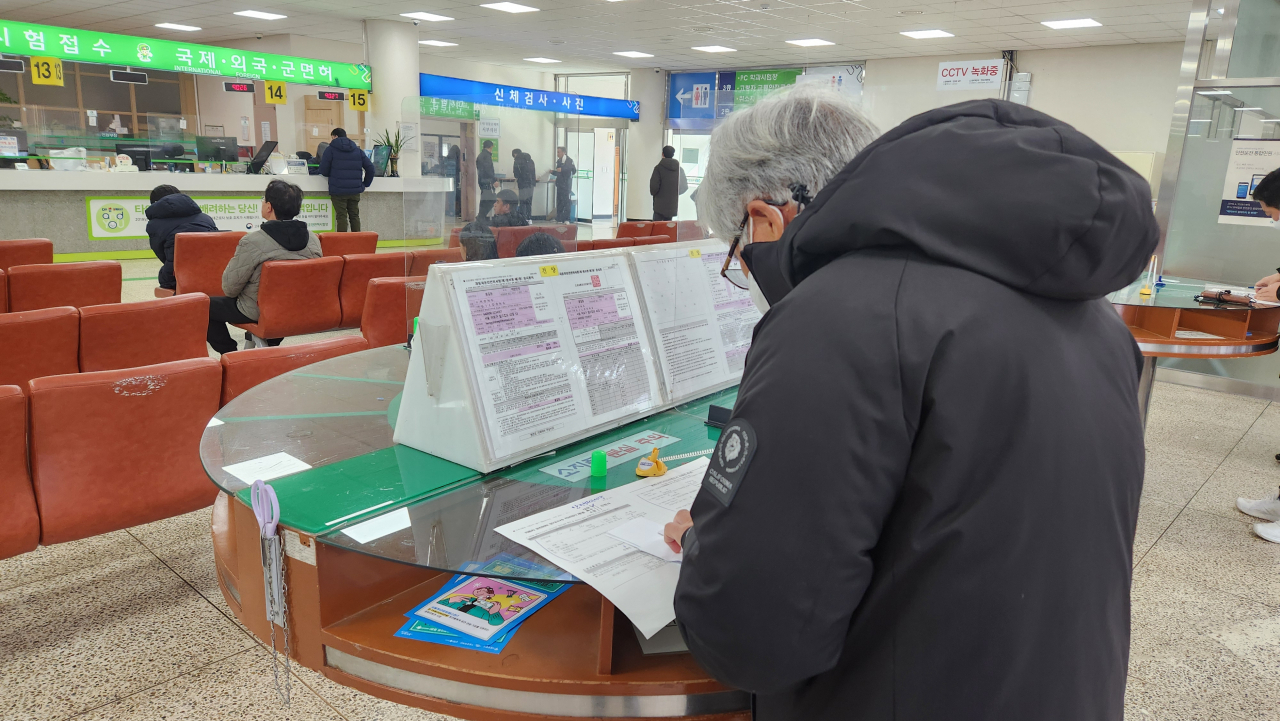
(805, 134)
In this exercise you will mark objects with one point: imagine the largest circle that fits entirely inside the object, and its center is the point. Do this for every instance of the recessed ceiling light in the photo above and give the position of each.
(1221, 11)
(911, 12)
(1068, 24)
(811, 42)
(260, 15)
(175, 26)
(715, 49)
(1243, 109)
(437, 43)
(1270, 120)
(1213, 92)
(510, 7)
(426, 16)
(927, 34)
(540, 60)
(1204, 120)
(633, 54)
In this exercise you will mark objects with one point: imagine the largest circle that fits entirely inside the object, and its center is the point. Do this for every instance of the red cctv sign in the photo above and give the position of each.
(971, 74)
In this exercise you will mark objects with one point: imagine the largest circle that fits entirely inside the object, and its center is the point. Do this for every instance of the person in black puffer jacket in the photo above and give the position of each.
(666, 185)
(172, 212)
(349, 172)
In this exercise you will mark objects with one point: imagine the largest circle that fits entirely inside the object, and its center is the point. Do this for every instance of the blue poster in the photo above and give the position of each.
(691, 102)
(512, 96)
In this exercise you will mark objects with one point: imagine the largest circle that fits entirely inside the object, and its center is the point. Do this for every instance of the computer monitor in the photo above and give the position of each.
(140, 154)
(259, 160)
(216, 149)
(13, 145)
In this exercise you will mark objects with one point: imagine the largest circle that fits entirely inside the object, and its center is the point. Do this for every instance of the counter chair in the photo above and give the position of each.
(356, 272)
(296, 297)
(114, 449)
(56, 284)
(335, 244)
(200, 258)
(128, 335)
(29, 251)
(244, 369)
(20, 531)
(37, 343)
(390, 306)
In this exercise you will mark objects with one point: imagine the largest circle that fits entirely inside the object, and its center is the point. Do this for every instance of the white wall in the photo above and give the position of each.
(218, 107)
(645, 140)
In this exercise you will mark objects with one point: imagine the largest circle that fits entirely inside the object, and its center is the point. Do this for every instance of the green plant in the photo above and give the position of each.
(395, 142)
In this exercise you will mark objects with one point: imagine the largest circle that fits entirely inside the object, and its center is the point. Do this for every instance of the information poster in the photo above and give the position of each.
(971, 75)
(556, 349)
(1250, 162)
(124, 218)
(702, 323)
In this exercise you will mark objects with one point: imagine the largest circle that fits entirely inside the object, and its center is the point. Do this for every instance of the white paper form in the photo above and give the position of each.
(557, 347)
(702, 322)
(577, 538)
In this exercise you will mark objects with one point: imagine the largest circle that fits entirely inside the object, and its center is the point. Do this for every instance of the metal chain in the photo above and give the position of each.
(287, 691)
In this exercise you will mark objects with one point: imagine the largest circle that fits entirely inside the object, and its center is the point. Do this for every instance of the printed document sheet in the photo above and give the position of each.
(577, 537)
(702, 323)
(557, 349)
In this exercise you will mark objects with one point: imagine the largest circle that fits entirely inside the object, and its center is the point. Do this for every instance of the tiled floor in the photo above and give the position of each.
(131, 626)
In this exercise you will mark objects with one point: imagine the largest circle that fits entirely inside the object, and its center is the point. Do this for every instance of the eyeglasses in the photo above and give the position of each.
(732, 268)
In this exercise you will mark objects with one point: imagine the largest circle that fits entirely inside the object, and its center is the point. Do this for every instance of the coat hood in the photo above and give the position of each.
(292, 235)
(345, 145)
(996, 188)
(669, 164)
(177, 205)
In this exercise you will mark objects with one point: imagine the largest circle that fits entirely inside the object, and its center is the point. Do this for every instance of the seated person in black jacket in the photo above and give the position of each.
(478, 242)
(172, 212)
(539, 244)
(507, 210)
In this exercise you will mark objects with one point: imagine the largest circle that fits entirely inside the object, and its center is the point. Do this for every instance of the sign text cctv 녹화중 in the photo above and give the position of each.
(971, 75)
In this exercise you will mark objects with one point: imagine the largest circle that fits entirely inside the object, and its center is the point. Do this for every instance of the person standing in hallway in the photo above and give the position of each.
(488, 180)
(172, 212)
(564, 172)
(453, 168)
(937, 439)
(666, 185)
(349, 172)
(526, 174)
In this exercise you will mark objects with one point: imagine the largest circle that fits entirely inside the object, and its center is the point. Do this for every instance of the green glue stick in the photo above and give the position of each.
(599, 464)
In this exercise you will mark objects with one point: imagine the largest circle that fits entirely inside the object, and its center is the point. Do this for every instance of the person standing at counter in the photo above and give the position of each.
(349, 172)
(666, 185)
(922, 510)
(281, 237)
(564, 172)
(526, 179)
(1267, 193)
(488, 179)
(172, 212)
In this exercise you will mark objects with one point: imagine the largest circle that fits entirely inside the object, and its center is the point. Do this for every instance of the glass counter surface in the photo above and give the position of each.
(366, 494)
(1170, 293)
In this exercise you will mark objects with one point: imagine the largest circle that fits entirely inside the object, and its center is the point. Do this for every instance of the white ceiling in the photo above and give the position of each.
(585, 33)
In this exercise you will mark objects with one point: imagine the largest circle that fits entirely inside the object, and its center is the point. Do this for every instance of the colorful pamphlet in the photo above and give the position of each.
(465, 614)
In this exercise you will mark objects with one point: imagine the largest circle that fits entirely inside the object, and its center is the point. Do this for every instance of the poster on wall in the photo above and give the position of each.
(971, 75)
(1251, 160)
(124, 218)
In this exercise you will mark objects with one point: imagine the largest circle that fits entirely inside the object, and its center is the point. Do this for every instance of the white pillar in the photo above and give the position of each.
(644, 139)
(392, 50)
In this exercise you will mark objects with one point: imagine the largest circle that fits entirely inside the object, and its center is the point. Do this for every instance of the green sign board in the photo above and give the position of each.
(752, 85)
(441, 108)
(86, 46)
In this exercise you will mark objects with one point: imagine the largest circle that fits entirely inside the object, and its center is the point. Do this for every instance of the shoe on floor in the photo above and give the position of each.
(1268, 531)
(1266, 509)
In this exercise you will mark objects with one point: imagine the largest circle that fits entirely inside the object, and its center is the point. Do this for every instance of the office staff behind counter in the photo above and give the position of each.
(911, 503)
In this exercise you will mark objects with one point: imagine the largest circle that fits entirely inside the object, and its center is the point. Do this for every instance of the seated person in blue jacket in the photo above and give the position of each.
(172, 212)
(507, 210)
(281, 237)
(349, 172)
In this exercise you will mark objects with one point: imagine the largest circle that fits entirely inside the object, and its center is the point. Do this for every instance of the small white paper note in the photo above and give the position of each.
(646, 536)
(266, 468)
(214, 422)
(376, 528)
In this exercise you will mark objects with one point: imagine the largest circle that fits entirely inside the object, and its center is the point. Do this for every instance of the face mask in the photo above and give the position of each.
(757, 297)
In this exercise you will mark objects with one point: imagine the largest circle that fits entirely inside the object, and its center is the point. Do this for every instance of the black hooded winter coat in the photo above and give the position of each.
(167, 217)
(666, 185)
(935, 517)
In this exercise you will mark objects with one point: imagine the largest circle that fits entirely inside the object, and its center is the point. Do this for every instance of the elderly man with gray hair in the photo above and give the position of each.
(923, 505)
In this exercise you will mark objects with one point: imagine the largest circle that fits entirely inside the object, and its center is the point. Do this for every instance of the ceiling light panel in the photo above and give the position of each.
(927, 34)
(260, 15)
(427, 17)
(1070, 24)
(715, 49)
(540, 60)
(175, 26)
(810, 43)
(633, 54)
(510, 7)
(437, 43)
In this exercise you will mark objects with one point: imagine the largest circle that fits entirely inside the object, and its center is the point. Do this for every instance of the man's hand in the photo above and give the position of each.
(1267, 292)
(674, 531)
(1273, 279)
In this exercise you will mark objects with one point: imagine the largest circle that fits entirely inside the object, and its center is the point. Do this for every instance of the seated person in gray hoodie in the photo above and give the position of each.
(279, 238)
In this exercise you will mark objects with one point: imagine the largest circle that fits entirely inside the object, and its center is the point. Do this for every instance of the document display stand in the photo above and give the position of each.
(517, 357)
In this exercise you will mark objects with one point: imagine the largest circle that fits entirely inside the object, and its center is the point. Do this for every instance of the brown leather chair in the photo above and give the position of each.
(606, 243)
(296, 297)
(565, 233)
(586, 245)
(335, 244)
(30, 251)
(654, 239)
(356, 272)
(455, 238)
(56, 284)
(36, 343)
(424, 258)
(114, 449)
(128, 335)
(389, 309)
(20, 531)
(509, 239)
(4, 292)
(244, 369)
(689, 230)
(200, 258)
(662, 227)
(633, 228)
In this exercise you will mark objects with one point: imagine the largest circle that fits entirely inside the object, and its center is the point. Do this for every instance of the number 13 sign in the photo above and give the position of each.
(46, 71)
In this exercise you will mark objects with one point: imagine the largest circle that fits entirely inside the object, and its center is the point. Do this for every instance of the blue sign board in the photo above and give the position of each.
(691, 102)
(512, 96)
